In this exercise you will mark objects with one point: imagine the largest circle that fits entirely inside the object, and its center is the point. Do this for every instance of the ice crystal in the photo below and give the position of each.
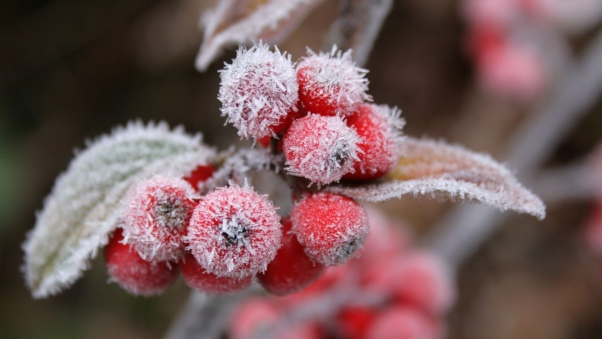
(84, 205)
(258, 91)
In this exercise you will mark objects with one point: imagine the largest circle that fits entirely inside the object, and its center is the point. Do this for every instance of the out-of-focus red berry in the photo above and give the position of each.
(291, 269)
(200, 174)
(197, 278)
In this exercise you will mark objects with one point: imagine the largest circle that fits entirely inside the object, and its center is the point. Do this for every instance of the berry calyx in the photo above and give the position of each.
(291, 269)
(331, 227)
(198, 278)
(156, 216)
(320, 148)
(134, 274)
(330, 83)
(259, 91)
(379, 129)
(234, 232)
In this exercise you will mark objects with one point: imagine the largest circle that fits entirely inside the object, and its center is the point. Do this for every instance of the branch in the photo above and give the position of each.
(459, 235)
(357, 27)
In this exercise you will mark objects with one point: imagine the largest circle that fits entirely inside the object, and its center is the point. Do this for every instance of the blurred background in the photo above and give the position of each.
(72, 70)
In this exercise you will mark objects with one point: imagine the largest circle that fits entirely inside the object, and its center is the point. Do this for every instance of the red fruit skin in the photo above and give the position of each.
(134, 274)
(400, 322)
(196, 277)
(311, 98)
(321, 149)
(199, 175)
(234, 232)
(156, 217)
(354, 321)
(252, 318)
(291, 270)
(331, 227)
(379, 150)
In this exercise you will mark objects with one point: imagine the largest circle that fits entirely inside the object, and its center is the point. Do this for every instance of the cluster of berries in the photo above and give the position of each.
(415, 287)
(223, 240)
(317, 113)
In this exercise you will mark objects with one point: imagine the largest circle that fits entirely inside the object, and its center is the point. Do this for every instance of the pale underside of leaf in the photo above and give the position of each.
(428, 167)
(236, 22)
(85, 203)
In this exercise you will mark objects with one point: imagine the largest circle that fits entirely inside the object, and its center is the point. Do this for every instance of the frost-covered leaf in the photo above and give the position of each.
(234, 22)
(84, 205)
(451, 172)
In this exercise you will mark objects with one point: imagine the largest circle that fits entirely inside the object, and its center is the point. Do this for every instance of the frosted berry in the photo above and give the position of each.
(379, 129)
(234, 232)
(330, 83)
(199, 175)
(156, 217)
(404, 323)
(320, 148)
(134, 274)
(291, 269)
(259, 91)
(331, 227)
(197, 278)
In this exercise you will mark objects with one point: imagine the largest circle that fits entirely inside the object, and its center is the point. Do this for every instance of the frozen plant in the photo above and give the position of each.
(182, 205)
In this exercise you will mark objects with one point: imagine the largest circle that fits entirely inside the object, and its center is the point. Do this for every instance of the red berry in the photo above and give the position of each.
(354, 321)
(291, 269)
(403, 323)
(200, 174)
(234, 232)
(331, 84)
(419, 280)
(253, 318)
(259, 91)
(134, 274)
(321, 149)
(197, 278)
(331, 227)
(379, 129)
(156, 217)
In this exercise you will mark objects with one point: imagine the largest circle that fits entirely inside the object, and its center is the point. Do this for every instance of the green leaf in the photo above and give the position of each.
(85, 203)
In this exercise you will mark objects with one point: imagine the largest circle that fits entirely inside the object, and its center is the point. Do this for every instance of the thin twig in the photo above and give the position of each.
(357, 27)
(571, 182)
(460, 234)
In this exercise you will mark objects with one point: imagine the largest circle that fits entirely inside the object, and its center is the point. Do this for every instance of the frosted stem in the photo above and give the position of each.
(461, 233)
(357, 27)
(569, 182)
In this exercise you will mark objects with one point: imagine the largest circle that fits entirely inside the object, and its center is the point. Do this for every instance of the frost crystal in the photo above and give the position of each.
(85, 203)
(258, 91)
(320, 148)
(330, 83)
(157, 216)
(234, 232)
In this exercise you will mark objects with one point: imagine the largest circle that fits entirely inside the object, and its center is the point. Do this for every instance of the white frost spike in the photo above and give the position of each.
(331, 81)
(156, 216)
(237, 22)
(320, 148)
(429, 167)
(258, 91)
(85, 203)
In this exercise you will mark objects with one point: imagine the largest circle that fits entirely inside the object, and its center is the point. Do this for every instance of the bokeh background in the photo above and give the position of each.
(71, 70)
